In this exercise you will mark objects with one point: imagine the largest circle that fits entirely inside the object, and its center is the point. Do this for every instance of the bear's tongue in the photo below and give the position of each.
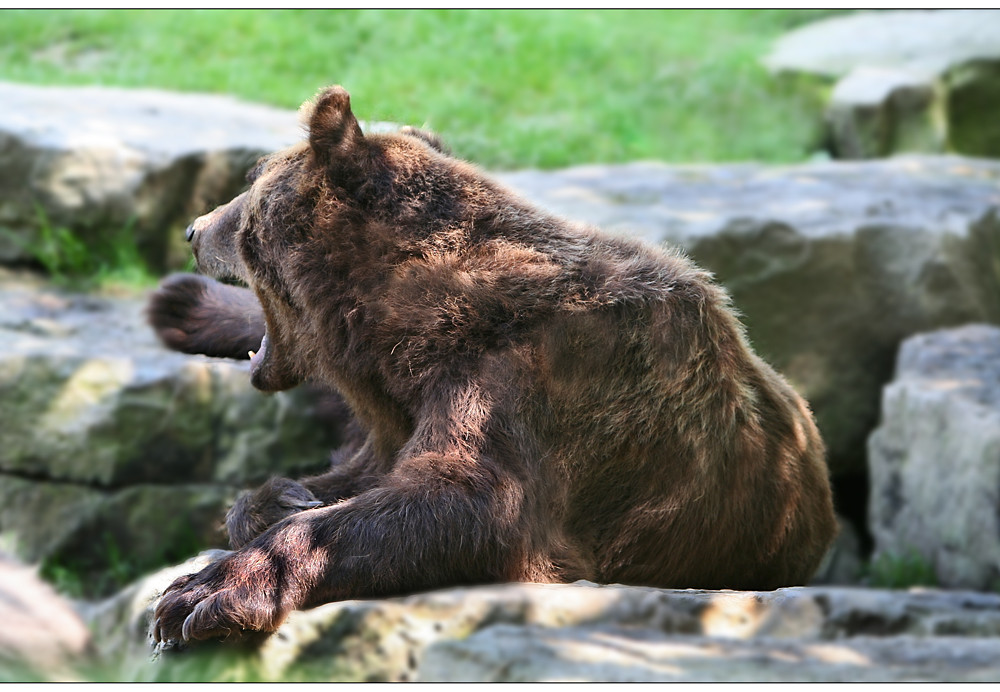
(257, 358)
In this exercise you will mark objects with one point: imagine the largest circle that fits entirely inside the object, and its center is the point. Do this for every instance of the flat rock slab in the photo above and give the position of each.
(831, 264)
(587, 632)
(920, 41)
(578, 654)
(684, 204)
(166, 124)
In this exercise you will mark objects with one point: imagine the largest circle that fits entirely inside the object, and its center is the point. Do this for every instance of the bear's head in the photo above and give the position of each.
(319, 220)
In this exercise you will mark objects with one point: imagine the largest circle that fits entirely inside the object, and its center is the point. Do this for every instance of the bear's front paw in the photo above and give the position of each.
(224, 600)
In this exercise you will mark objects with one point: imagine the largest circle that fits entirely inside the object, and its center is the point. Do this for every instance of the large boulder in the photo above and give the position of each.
(831, 264)
(118, 454)
(122, 165)
(582, 631)
(909, 80)
(935, 458)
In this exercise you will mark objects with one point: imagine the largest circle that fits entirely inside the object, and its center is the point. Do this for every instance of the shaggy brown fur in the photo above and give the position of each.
(543, 402)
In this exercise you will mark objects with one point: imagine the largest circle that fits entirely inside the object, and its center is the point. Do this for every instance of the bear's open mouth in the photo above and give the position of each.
(269, 368)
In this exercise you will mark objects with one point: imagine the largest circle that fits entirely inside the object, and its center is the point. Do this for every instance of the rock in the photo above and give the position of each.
(533, 654)
(113, 445)
(520, 631)
(875, 112)
(831, 264)
(41, 636)
(935, 458)
(106, 163)
(504, 654)
(90, 397)
(92, 542)
(973, 91)
(920, 41)
(910, 80)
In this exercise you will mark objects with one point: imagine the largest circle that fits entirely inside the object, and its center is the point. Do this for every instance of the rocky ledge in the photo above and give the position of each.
(585, 632)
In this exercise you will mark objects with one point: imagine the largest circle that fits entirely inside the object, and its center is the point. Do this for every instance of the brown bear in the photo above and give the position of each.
(540, 401)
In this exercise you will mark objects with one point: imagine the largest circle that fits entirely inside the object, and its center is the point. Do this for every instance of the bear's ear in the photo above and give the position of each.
(333, 130)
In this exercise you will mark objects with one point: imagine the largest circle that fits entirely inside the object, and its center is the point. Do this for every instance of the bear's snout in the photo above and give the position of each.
(212, 237)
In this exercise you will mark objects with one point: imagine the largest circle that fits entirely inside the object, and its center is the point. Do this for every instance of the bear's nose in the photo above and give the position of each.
(189, 233)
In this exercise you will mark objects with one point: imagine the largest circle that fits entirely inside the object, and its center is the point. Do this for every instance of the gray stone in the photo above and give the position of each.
(415, 637)
(533, 654)
(920, 41)
(831, 264)
(93, 541)
(89, 396)
(935, 458)
(41, 637)
(103, 161)
(599, 632)
(875, 112)
(909, 80)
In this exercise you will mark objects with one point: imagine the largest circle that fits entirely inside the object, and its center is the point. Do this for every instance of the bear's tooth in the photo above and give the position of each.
(251, 354)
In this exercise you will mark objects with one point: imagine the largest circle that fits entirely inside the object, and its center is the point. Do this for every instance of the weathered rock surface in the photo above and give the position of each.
(875, 112)
(929, 41)
(584, 654)
(110, 444)
(935, 458)
(910, 80)
(584, 631)
(41, 636)
(97, 160)
(831, 264)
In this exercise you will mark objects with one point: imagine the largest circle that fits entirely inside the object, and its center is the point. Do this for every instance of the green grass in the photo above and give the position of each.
(506, 89)
(109, 264)
(901, 571)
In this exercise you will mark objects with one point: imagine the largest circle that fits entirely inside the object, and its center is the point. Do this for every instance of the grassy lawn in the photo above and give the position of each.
(506, 89)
